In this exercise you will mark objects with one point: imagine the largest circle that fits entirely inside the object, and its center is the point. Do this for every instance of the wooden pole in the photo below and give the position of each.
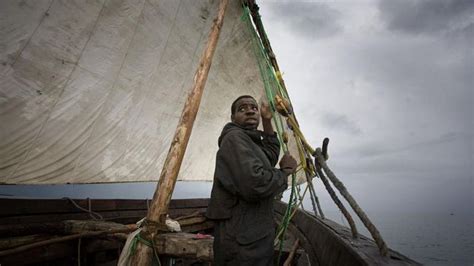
(13, 242)
(292, 253)
(169, 173)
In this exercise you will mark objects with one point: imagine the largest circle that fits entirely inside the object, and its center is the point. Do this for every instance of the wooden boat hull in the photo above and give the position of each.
(325, 242)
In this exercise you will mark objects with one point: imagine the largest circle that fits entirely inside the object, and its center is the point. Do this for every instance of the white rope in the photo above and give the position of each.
(92, 214)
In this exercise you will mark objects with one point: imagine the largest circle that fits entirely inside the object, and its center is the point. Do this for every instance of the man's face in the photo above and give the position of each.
(246, 113)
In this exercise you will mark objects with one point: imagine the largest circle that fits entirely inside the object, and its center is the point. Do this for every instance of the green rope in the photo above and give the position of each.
(287, 216)
(271, 83)
(136, 239)
(268, 75)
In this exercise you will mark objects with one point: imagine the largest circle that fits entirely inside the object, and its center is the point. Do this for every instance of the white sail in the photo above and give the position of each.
(91, 91)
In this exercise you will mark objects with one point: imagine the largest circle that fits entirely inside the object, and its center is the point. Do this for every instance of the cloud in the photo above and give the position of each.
(381, 148)
(340, 122)
(309, 20)
(393, 92)
(427, 16)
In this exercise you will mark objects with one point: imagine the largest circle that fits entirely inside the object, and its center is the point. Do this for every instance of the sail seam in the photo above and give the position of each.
(137, 145)
(68, 80)
(88, 141)
(31, 36)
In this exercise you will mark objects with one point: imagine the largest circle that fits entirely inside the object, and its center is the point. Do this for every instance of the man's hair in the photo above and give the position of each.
(234, 104)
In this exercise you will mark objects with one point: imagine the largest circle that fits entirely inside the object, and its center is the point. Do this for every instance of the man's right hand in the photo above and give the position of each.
(288, 164)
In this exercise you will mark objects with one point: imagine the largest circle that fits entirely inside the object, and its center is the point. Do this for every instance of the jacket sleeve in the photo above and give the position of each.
(242, 172)
(271, 147)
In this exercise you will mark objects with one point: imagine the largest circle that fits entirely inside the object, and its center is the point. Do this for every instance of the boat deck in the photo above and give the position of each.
(321, 242)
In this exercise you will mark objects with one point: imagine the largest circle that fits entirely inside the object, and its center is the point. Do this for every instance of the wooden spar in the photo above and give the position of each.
(292, 253)
(12, 242)
(263, 36)
(169, 173)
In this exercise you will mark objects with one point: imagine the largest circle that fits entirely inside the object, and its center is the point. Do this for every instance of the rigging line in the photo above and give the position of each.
(287, 217)
(34, 32)
(314, 199)
(298, 190)
(312, 193)
(100, 110)
(67, 82)
(269, 76)
(264, 66)
(294, 212)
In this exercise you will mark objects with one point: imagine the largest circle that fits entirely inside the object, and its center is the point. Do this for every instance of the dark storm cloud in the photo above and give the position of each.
(340, 122)
(428, 16)
(307, 19)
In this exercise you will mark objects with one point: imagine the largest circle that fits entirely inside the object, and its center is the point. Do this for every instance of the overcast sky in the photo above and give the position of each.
(391, 84)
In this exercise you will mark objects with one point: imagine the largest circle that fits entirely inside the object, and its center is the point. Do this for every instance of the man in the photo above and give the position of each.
(245, 184)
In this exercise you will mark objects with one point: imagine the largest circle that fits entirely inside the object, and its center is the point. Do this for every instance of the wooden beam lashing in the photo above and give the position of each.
(172, 164)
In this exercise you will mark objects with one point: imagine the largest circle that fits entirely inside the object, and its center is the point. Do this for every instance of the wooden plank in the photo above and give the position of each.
(110, 216)
(12, 242)
(21, 229)
(198, 227)
(86, 234)
(304, 241)
(12, 207)
(184, 245)
(63, 227)
(42, 254)
(124, 217)
(332, 244)
(66, 252)
(325, 246)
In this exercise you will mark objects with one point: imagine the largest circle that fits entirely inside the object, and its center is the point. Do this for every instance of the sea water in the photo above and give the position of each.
(431, 238)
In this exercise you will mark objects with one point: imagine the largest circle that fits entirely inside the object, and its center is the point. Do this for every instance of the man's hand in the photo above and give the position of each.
(288, 164)
(265, 111)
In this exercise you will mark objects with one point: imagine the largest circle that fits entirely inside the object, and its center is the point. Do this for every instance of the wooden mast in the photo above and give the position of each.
(162, 196)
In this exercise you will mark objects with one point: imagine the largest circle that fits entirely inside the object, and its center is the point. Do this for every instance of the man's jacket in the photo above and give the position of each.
(246, 182)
